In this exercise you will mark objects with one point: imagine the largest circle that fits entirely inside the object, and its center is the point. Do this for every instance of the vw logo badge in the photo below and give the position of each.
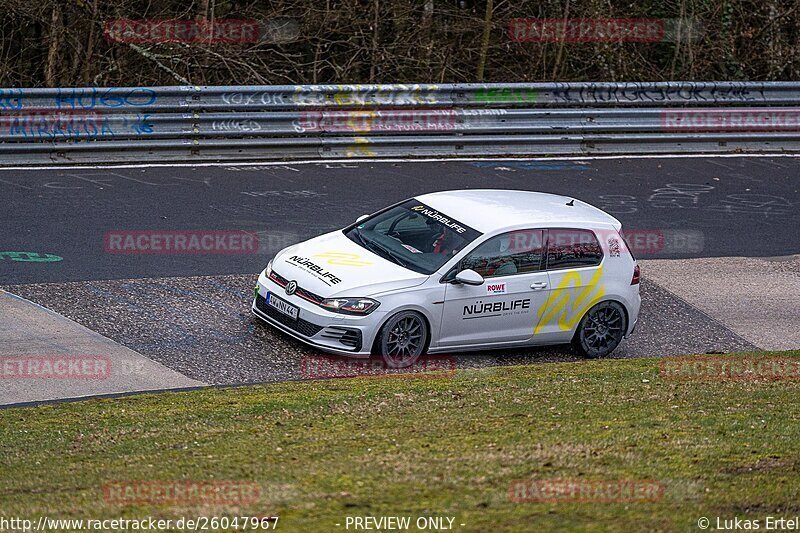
(291, 287)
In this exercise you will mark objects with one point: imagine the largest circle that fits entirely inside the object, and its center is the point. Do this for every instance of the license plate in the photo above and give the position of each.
(284, 307)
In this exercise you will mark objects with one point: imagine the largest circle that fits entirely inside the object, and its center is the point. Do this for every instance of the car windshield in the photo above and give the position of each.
(413, 235)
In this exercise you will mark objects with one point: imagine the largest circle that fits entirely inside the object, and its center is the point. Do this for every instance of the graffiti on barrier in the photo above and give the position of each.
(505, 95)
(93, 98)
(73, 124)
(11, 99)
(365, 121)
(336, 95)
(236, 125)
(638, 92)
(359, 95)
(264, 98)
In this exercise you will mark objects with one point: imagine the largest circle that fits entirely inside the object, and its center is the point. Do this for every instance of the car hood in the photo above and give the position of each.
(332, 265)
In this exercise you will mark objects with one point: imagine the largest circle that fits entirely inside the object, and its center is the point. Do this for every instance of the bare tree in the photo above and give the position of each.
(487, 31)
(55, 36)
(58, 42)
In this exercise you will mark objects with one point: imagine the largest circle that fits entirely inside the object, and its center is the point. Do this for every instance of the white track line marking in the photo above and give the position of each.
(400, 160)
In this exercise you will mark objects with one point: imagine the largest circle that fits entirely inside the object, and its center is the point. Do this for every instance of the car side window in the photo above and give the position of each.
(515, 252)
(572, 248)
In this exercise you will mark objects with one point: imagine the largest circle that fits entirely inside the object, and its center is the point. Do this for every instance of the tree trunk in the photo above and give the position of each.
(54, 36)
(487, 30)
(202, 9)
(373, 67)
(87, 61)
(560, 52)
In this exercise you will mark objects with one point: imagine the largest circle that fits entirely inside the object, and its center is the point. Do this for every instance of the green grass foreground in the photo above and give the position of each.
(435, 446)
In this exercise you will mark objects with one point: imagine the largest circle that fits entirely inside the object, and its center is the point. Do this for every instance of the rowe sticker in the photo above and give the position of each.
(496, 288)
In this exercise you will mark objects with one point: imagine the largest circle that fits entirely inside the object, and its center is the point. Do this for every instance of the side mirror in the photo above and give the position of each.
(362, 217)
(469, 277)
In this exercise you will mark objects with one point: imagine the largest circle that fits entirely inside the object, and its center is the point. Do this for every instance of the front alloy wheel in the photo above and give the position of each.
(402, 339)
(601, 330)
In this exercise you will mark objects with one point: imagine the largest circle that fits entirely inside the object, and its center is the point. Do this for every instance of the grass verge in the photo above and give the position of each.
(447, 446)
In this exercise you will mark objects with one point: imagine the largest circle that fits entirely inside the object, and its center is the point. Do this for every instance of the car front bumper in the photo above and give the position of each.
(329, 332)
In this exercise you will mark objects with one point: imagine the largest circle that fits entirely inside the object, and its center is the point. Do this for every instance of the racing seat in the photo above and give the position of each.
(443, 242)
(507, 268)
(502, 266)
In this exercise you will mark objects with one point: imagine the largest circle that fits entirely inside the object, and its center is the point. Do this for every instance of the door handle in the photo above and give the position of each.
(539, 285)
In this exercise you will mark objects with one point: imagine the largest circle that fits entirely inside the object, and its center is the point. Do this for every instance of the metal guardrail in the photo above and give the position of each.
(93, 125)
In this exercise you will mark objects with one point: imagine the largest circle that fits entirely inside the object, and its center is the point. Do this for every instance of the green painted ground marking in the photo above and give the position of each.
(30, 257)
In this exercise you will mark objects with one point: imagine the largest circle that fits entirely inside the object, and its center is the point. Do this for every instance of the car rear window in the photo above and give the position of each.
(571, 248)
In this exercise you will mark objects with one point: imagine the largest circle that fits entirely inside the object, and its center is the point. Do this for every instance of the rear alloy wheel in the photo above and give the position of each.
(601, 330)
(402, 339)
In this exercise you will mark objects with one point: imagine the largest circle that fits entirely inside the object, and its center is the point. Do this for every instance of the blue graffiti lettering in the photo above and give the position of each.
(60, 126)
(91, 98)
(11, 98)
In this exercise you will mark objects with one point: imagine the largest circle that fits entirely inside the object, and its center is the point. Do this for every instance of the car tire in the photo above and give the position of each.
(402, 339)
(600, 330)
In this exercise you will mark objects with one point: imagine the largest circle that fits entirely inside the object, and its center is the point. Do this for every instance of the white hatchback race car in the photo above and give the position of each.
(457, 271)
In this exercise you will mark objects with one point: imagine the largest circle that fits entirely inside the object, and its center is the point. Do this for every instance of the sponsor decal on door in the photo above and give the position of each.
(496, 288)
(481, 309)
(569, 301)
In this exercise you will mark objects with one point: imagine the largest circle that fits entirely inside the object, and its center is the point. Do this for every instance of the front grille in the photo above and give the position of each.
(277, 278)
(301, 292)
(303, 327)
(346, 336)
(308, 295)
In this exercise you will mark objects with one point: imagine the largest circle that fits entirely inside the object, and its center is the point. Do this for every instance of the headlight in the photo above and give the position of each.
(268, 270)
(350, 306)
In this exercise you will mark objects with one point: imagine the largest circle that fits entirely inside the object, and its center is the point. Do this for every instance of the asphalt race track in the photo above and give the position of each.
(743, 206)
(191, 312)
